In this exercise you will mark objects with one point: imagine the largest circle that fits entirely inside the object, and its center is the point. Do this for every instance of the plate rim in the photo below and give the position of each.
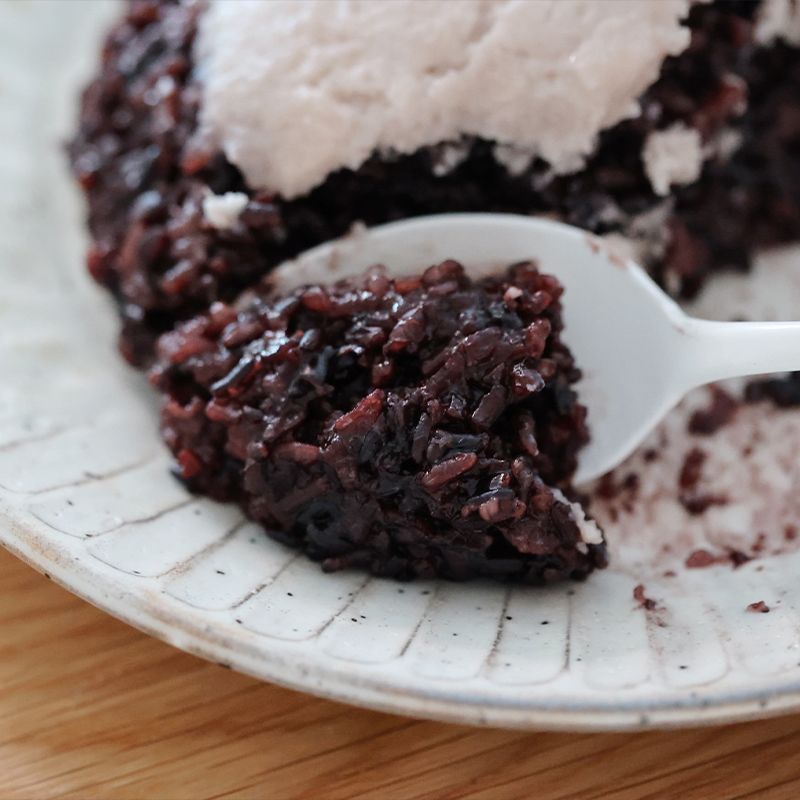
(586, 715)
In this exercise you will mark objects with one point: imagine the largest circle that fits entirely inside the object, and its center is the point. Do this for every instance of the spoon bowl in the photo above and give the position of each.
(638, 352)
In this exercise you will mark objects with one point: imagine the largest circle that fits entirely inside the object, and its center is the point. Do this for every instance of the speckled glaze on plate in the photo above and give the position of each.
(85, 497)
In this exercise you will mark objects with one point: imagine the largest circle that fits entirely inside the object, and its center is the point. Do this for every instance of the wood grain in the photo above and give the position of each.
(90, 708)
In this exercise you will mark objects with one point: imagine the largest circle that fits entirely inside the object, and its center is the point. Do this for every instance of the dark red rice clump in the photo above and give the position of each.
(410, 427)
(140, 158)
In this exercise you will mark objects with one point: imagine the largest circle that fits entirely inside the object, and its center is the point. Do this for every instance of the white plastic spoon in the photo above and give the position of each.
(639, 353)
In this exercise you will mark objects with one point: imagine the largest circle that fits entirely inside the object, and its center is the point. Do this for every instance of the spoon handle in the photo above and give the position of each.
(714, 351)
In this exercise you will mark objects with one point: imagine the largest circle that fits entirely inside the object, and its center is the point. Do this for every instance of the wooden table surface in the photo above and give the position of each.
(91, 708)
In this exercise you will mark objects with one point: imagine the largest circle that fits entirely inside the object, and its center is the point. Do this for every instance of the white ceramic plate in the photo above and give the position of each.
(85, 497)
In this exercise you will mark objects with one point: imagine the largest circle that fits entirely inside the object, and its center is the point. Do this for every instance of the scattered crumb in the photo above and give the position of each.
(607, 487)
(700, 559)
(644, 602)
(688, 478)
(698, 503)
(670, 573)
(649, 455)
(760, 607)
(720, 411)
(692, 469)
(625, 491)
(631, 482)
(737, 558)
(722, 508)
